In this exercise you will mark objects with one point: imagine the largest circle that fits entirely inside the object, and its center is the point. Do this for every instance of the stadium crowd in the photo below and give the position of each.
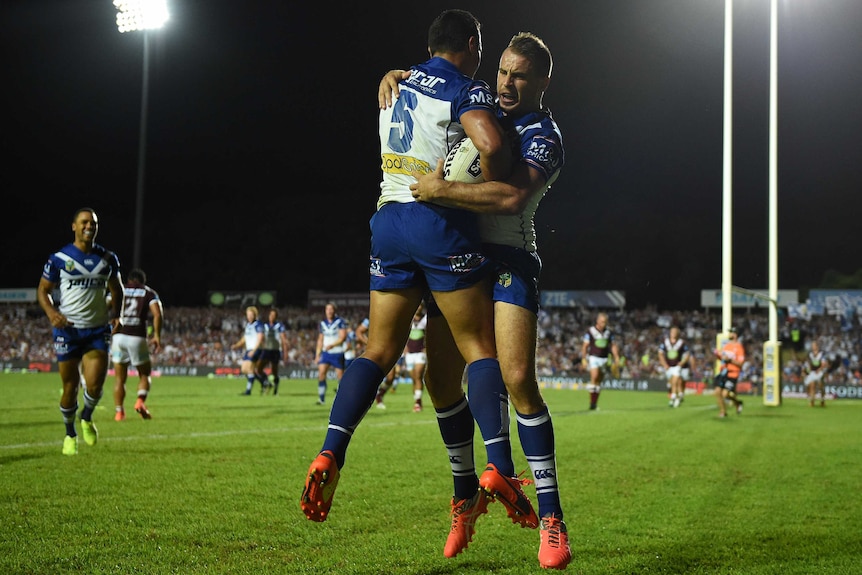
(203, 336)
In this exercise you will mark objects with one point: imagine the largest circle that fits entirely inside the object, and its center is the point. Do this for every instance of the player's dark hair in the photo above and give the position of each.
(79, 211)
(138, 275)
(451, 31)
(534, 49)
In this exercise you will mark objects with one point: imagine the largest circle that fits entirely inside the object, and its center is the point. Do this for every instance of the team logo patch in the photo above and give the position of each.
(465, 262)
(505, 279)
(376, 269)
(70, 265)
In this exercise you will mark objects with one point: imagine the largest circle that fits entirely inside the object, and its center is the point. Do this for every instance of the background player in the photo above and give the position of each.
(129, 344)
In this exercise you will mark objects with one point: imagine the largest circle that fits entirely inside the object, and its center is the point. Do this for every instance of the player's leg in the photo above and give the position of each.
(391, 314)
(94, 364)
(144, 385)
(247, 369)
(595, 385)
(121, 371)
(70, 376)
(120, 358)
(322, 368)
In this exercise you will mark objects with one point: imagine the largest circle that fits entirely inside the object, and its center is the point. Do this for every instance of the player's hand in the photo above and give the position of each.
(428, 186)
(59, 320)
(388, 90)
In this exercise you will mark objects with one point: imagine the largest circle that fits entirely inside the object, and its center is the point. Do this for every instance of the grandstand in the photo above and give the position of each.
(200, 338)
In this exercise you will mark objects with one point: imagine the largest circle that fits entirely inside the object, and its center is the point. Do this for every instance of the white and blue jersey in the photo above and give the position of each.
(331, 334)
(82, 279)
(330, 330)
(414, 242)
(252, 331)
(510, 241)
(541, 149)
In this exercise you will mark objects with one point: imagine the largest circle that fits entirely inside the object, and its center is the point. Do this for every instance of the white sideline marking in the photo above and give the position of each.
(213, 434)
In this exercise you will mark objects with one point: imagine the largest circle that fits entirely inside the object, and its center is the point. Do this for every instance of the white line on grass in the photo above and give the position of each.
(151, 437)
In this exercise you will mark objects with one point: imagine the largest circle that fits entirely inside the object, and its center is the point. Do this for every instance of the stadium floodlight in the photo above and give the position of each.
(141, 15)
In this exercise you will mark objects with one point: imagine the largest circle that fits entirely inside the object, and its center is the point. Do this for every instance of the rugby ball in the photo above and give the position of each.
(462, 163)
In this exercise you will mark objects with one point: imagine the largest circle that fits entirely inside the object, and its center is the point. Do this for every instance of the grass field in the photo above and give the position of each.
(211, 485)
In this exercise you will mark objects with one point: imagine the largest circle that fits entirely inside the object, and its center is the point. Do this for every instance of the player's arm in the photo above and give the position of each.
(115, 286)
(503, 197)
(158, 312)
(495, 153)
(319, 346)
(362, 334)
(45, 297)
(342, 336)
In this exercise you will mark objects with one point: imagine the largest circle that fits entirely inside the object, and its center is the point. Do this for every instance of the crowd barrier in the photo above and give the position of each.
(296, 371)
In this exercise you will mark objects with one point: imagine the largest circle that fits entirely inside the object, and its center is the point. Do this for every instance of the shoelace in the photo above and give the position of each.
(523, 480)
(553, 526)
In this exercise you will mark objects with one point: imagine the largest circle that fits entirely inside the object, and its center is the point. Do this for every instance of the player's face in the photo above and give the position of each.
(601, 322)
(519, 88)
(85, 227)
(330, 312)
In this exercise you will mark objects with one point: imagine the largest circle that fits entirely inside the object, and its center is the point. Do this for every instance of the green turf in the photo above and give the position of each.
(211, 485)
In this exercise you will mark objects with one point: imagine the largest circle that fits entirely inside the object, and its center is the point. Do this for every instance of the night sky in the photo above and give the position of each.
(262, 164)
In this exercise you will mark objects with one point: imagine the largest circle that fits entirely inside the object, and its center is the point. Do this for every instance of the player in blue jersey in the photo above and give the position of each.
(129, 345)
(417, 246)
(274, 347)
(506, 218)
(329, 354)
(84, 273)
(252, 339)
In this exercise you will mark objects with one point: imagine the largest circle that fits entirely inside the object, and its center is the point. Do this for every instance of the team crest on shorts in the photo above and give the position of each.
(505, 279)
(465, 262)
(70, 265)
(375, 269)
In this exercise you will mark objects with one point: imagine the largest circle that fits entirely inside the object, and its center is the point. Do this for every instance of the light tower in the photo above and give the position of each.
(141, 15)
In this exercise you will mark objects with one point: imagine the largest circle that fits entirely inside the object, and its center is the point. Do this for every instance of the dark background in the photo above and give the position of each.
(263, 163)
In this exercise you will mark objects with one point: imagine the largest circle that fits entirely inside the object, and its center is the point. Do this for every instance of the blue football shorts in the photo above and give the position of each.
(74, 342)
(417, 244)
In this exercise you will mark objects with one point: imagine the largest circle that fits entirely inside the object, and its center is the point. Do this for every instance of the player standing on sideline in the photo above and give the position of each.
(416, 246)
(598, 347)
(85, 273)
(332, 335)
(732, 356)
(673, 354)
(506, 221)
(816, 366)
(274, 347)
(129, 344)
(252, 340)
(414, 355)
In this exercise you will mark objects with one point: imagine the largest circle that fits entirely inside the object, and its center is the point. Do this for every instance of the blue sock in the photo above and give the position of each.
(249, 383)
(321, 391)
(457, 429)
(69, 419)
(356, 395)
(537, 440)
(90, 403)
(489, 403)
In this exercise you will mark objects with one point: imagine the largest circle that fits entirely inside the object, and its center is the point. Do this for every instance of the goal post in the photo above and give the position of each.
(771, 355)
